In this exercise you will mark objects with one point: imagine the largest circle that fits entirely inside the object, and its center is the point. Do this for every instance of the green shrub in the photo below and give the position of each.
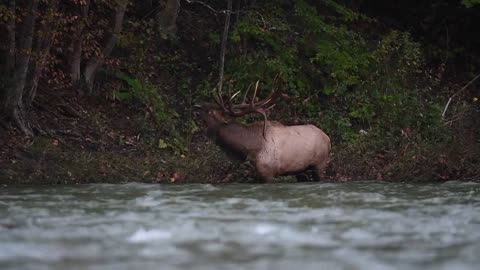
(146, 94)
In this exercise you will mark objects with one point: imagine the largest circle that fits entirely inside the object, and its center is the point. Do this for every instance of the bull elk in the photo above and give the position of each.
(276, 149)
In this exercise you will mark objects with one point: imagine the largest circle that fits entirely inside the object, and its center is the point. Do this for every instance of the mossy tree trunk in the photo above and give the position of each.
(77, 41)
(28, 50)
(45, 38)
(13, 106)
(95, 63)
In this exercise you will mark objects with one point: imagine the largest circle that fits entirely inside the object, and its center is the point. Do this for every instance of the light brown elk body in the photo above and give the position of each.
(275, 149)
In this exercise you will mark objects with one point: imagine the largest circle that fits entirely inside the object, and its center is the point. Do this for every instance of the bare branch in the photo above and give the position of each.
(203, 4)
(456, 94)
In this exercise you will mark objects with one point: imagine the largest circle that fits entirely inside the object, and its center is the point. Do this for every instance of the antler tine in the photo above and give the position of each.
(234, 95)
(271, 107)
(252, 105)
(252, 102)
(257, 107)
(265, 101)
(264, 114)
(240, 109)
(278, 77)
(219, 98)
(276, 81)
(244, 108)
(246, 93)
(275, 93)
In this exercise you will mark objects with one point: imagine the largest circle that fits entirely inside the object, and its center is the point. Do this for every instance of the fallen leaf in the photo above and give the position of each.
(162, 144)
(175, 177)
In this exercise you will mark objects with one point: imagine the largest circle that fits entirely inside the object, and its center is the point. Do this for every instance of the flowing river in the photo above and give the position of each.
(362, 225)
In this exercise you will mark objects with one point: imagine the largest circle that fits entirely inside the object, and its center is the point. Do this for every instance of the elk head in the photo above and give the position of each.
(223, 112)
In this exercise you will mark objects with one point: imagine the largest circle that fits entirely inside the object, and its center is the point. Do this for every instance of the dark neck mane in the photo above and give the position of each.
(238, 139)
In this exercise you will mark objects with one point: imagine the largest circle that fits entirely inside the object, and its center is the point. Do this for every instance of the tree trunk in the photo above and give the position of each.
(223, 45)
(13, 106)
(95, 63)
(10, 53)
(76, 58)
(167, 18)
(7, 62)
(42, 50)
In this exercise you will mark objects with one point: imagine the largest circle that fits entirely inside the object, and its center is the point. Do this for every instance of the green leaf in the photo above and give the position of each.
(122, 95)
(327, 90)
(162, 144)
(470, 3)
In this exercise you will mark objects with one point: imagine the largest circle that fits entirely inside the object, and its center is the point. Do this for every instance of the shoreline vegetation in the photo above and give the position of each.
(88, 98)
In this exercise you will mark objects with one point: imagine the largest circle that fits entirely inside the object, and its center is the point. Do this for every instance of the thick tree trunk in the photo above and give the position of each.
(93, 65)
(10, 52)
(76, 57)
(167, 18)
(13, 106)
(7, 62)
(42, 50)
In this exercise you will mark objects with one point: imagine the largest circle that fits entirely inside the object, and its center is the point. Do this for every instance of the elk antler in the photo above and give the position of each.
(244, 108)
(253, 106)
(218, 97)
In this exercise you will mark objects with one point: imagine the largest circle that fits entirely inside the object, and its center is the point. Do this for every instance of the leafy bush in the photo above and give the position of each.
(363, 93)
(146, 94)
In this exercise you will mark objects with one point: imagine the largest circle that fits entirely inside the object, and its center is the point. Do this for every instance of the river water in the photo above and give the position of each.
(367, 225)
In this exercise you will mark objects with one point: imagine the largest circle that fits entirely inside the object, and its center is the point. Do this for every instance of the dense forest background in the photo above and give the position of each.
(104, 90)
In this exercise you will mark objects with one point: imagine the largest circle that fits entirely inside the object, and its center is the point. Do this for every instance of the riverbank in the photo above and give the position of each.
(100, 141)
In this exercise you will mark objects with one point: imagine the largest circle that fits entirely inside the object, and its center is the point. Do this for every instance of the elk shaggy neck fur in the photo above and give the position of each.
(241, 140)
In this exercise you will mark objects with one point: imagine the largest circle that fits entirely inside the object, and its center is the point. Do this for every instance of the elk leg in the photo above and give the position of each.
(267, 180)
(302, 177)
(265, 173)
(319, 170)
(265, 177)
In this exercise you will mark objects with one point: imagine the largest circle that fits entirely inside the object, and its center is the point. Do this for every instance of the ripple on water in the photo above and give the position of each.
(144, 236)
(321, 226)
